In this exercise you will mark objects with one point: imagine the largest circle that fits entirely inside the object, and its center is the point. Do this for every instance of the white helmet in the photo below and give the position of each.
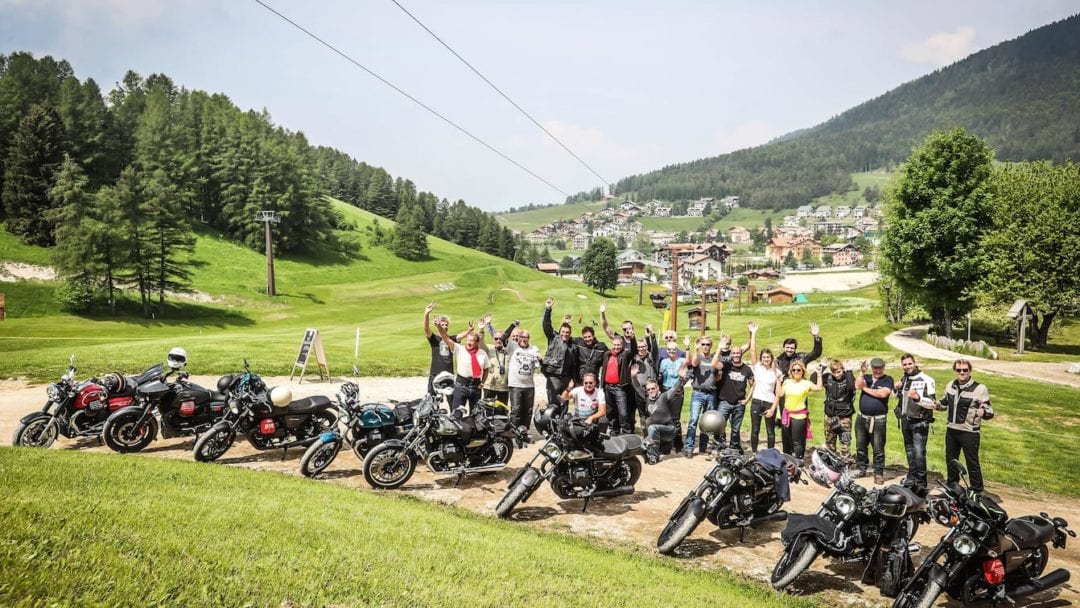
(443, 383)
(280, 396)
(177, 358)
(711, 421)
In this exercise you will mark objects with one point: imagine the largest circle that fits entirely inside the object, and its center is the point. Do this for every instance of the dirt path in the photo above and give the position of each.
(635, 519)
(910, 340)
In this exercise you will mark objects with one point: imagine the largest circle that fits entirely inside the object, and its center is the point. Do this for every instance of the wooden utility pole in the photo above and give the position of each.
(267, 218)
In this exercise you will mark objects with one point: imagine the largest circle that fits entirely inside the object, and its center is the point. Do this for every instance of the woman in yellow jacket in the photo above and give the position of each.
(795, 418)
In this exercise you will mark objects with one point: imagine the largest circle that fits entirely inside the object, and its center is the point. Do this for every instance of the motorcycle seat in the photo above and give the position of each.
(621, 445)
(218, 396)
(309, 405)
(898, 496)
(1030, 531)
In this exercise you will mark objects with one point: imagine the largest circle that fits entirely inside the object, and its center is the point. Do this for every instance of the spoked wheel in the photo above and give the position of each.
(319, 456)
(679, 526)
(797, 557)
(39, 432)
(213, 444)
(389, 467)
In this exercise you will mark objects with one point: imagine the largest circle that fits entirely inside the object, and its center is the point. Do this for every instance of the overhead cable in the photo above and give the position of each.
(499, 91)
(410, 97)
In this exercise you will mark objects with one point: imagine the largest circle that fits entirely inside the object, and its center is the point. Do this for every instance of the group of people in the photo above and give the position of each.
(644, 379)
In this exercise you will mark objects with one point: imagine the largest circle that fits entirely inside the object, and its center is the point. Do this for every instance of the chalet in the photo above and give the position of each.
(804, 211)
(630, 208)
(548, 267)
(702, 267)
(823, 212)
(538, 236)
(607, 212)
(779, 295)
(716, 251)
(581, 241)
(662, 211)
(696, 208)
(843, 254)
(631, 270)
(791, 221)
(730, 202)
(830, 228)
(739, 235)
(777, 248)
(628, 255)
(859, 211)
(767, 274)
(659, 239)
(842, 211)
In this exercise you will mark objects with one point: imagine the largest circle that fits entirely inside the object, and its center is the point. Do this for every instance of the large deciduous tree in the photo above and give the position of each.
(598, 265)
(938, 212)
(1033, 252)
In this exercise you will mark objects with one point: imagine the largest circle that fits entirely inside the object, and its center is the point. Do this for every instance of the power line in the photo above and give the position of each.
(499, 91)
(410, 97)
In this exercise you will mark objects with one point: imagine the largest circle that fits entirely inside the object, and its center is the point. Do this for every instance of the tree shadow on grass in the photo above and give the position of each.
(176, 313)
(303, 296)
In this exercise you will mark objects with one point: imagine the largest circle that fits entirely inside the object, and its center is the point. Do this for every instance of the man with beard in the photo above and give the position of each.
(496, 387)
(629, 344)
(916, 393)
(589, 353)
(559, 364)
(659, 405)
(791, 345)
(524, 360)
(615, 380)
(442, 356)
(734, 378)
(703, 397)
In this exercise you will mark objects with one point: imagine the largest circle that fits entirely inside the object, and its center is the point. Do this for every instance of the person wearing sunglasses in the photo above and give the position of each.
(968, 404)
(795, 415)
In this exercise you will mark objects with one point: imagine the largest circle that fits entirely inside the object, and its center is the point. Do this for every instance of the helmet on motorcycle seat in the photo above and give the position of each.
(826, 467)
(113, 382)
(280, 396)
(711, 421)
(443, 383)
(225, 382)
(177, 358)
(543, 419)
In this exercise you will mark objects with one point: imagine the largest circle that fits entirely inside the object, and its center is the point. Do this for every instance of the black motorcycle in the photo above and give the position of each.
(366, 426)
(985, 556)
(578, 461)
(854, 524)
(269, 418)
(480, 442)
(738, 492)
(74, 408)
(180, 408)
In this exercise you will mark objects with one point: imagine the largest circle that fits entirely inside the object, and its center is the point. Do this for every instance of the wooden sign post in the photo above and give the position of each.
(312, 342)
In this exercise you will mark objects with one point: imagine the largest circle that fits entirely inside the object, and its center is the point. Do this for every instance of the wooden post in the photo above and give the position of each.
(704, 309)
(1021, 334)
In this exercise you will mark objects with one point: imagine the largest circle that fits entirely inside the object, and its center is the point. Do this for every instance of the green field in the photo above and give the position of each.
(81, 529)
(527, 221)
(855, 197)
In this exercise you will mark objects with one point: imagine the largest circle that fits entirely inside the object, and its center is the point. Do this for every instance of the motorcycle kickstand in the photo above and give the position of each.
(284, 451)
(585, 505)
(742, 534)
(460, 476)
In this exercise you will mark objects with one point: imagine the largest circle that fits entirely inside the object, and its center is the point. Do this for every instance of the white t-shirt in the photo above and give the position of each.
(765, 382)
(463, 361)
(523, 362)
(586, 404)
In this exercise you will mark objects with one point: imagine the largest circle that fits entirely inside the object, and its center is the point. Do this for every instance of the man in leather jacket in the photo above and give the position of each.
(916, 395)
(559, 364)
(784, 359)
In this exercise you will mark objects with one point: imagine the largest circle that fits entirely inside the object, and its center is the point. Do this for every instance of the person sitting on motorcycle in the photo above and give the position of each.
(660, 406)
(589, 401)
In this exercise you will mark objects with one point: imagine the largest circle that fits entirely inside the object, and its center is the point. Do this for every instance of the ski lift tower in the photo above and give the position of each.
(267, 218)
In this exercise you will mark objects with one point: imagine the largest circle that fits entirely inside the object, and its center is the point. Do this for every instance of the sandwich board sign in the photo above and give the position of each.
(312, 344)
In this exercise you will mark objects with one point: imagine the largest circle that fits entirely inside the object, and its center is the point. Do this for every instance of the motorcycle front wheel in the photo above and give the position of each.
(213, 444)
(319, 456)
(387, 467)
(679, 526)
(121, 435)
(918, 598)
(39, 432)
(796, 557)
(512, 498)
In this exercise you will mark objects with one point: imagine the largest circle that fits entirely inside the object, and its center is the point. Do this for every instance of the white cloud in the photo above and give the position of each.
(942, 48)
(122, 13)
(745, 135)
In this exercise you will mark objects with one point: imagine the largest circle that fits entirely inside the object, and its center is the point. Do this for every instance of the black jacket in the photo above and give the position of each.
(559, 359)
(589, 358)
(839, 394)
(784, 362)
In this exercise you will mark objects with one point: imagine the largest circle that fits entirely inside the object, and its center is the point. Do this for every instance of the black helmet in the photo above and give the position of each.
(113, 383)
(225, 382)
(544, 417)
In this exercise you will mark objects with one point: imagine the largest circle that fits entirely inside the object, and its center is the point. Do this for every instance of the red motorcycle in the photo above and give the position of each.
(76, 409)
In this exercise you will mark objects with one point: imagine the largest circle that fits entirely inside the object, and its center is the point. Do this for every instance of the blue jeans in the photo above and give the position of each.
(915, 433)
(735, 413)
(620, 416)
(699, 402)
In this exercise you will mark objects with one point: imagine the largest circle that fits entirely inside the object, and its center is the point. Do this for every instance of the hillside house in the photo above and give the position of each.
(631, 270)
(859, 211)
(842, 211)
(804, 211)
(539, 236)
(739, 235)
(662, 211)
(628, 255)
(830, 228)
(630, 208)
(844, 254)
(702, 267)
(659, 238)
(696, 209)
(581, 241)
(716, 251)
(823, 212)
(730, 202)
(777, 248)
(791, 221)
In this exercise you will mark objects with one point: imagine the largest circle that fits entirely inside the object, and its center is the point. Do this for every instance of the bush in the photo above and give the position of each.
(75, 297)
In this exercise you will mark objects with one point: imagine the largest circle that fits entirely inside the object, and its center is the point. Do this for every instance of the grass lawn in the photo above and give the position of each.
(527, 221)
(84, 529)
(854, 197)
(1028, 444)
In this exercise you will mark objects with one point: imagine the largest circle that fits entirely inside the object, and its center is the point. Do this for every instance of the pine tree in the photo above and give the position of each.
(409, 241)
(30, 171)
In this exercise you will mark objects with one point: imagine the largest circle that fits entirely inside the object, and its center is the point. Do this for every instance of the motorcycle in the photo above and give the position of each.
(269, 419)
(985, 556)
(478, 443)
(578, 461)
(179, 409)
(738, 492)
(854, 524)
(75, 409)
(366, 426)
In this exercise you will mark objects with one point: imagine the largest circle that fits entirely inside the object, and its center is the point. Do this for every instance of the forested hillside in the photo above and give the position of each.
(1019, 96)
(119, 182)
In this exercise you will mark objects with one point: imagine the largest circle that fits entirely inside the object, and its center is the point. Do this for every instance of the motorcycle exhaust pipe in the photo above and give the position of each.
(778, 516)
(488, 468)
(619, 491)
(1049, 581)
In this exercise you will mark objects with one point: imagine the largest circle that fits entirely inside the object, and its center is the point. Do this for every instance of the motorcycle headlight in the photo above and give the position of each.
(965, 545)
(844, 504)
(723, 476)
(552, 451)
(55, 393)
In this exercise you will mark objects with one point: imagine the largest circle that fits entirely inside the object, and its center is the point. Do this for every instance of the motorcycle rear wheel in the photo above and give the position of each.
(631, 471)
(121, 435)
(796, 558)
(679, 527)
(319, 456)
(512, 498)
(213, 444)
(37, 433)
(384, 468)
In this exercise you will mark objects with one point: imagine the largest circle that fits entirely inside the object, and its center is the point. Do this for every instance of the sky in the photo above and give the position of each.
(628, 85)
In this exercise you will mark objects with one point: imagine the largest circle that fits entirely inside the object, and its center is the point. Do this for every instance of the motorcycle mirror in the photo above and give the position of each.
(246, 366)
